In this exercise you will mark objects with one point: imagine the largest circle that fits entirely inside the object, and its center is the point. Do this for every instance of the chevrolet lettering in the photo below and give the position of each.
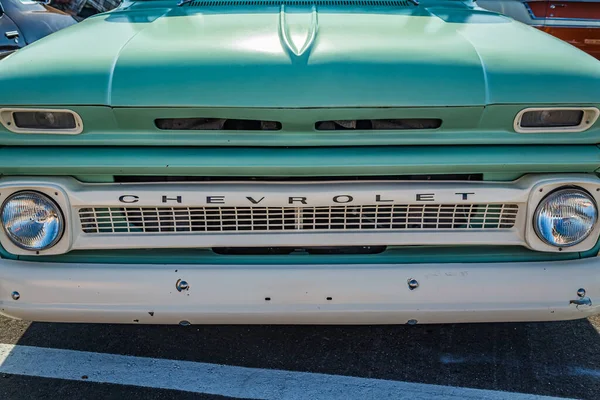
(299, 162)
(257, 199)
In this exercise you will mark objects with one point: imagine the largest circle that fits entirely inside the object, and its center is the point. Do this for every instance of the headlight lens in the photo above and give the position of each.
(565, 217)
(32, 221)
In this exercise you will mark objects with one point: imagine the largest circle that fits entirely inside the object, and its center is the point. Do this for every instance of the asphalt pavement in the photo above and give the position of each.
(559, 359)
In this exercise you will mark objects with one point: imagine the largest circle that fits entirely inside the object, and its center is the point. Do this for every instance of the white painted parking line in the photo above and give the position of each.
(240, 382)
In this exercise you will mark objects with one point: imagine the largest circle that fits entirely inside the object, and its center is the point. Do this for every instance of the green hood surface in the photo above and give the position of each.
(436, 54)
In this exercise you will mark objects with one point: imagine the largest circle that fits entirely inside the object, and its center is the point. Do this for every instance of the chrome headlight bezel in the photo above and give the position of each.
(6, 233)
(551, 195)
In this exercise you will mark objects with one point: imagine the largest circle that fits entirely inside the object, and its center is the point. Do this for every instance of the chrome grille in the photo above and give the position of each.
(326, 218)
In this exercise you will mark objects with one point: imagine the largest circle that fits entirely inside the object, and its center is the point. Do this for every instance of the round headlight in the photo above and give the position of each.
(32, 221)
(565, 217)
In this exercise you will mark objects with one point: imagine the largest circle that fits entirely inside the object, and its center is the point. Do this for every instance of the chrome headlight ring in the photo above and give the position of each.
(32, 221)
(565, 217)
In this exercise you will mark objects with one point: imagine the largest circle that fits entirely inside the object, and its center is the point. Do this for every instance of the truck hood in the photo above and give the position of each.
(438, 55)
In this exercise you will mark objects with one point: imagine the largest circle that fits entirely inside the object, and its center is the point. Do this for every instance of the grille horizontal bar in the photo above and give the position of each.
(318, 219)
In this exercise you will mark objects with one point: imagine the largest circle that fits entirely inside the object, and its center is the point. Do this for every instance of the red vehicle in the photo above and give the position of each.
(576, 22)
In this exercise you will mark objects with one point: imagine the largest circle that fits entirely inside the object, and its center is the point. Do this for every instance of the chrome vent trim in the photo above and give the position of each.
(199, 220)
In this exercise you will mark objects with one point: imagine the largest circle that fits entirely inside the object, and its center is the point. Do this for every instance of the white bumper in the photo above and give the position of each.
(360, 294)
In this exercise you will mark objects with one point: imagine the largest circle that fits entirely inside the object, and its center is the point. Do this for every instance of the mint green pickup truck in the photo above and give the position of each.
(299, 161)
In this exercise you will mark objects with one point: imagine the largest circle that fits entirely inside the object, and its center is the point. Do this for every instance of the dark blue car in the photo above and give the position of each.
(22, 22)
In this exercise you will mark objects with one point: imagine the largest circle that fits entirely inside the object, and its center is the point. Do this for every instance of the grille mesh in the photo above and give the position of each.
(327, 218)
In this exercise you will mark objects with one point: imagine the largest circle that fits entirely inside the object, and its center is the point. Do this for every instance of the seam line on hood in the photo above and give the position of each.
(113, 67)
(483, 68)
(114, 64)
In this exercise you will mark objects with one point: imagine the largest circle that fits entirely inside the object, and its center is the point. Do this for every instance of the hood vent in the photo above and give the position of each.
(242, 3)
(379, 124)
(216, 124)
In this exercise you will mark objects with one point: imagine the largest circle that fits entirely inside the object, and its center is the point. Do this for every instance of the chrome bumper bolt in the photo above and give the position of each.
(581, 292)
(182, 285)
(15, 295)
(413, 284)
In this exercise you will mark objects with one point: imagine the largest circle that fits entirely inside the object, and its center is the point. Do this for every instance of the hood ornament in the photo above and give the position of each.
(298, 31)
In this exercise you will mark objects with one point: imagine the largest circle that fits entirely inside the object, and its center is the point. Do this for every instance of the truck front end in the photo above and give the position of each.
(294, 162)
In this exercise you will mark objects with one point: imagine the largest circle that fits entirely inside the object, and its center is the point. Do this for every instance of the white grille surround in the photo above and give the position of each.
(199, 220)
(118, 216)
